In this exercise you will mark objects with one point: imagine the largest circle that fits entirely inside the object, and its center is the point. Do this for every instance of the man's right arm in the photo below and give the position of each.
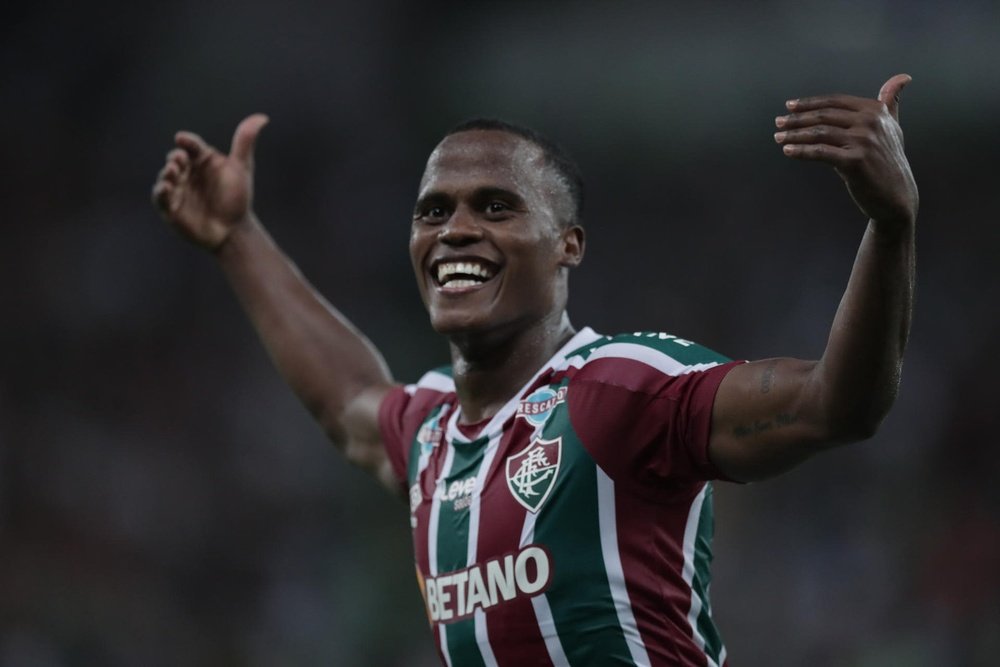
(206, 195)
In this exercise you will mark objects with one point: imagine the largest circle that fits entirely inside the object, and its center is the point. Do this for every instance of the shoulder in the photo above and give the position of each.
(405, 407)
(439, 380)
(662, 352)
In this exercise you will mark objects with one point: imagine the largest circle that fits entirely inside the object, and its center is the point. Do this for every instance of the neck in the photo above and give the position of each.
(489, 370)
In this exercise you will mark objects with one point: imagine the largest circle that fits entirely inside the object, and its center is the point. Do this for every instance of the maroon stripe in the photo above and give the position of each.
(423, 515)
(651, 544)
(642, 425)
(390, 423)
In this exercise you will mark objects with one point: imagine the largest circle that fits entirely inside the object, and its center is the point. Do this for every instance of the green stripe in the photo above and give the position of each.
(444, 370)
(703, 577)
(568, 526)
(462, 646)
(453, 548)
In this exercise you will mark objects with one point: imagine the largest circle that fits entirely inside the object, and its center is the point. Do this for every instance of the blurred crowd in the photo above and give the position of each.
(164, 500)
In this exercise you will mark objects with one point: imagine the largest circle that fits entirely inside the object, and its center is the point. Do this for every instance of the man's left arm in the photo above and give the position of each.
(770, 415)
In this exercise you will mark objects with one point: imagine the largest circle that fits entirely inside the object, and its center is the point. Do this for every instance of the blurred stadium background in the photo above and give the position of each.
(165, 501)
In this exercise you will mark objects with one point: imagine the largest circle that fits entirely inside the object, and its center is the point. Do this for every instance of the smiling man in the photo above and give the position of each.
(559, 480)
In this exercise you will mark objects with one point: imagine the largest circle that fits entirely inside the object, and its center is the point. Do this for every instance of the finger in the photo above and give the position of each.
(838, 157)
(889, 93)
(825, 116)
(178, 157)
(179, 164)
(194, 145)
(162, 195)
(246, 136)
(817, 134)
(849, 102)
(170, 173)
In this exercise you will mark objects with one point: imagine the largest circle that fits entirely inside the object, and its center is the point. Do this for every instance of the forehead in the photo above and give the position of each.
(491, 158)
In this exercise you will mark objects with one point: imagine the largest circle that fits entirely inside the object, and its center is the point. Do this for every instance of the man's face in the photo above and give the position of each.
(489, 252)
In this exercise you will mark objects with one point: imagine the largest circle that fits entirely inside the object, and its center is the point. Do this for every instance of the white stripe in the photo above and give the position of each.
(483, 639)
(540, 603)
(451, 432)
(690, 537)
(613, 565)
(479, 618)
(444, 644)
(437, 381)
(649, 356)
(432, 537)
(548, 628)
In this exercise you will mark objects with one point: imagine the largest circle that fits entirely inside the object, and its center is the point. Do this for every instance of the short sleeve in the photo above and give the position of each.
(402, 412)
(390, 424)
(647, 421)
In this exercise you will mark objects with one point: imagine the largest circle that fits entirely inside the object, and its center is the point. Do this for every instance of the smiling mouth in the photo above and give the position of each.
(454, 275)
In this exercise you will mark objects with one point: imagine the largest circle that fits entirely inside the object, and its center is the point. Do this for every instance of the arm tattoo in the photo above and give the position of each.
(780, 420)
(767, 377)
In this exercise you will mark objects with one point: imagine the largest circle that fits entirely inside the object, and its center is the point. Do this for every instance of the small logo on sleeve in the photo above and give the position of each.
(430, 434)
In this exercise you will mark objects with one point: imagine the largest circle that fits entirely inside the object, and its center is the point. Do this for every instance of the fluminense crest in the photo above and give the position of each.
(532, 472)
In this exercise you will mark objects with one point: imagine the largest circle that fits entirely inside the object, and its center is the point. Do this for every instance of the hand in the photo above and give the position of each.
(862, 139)
(206, 194)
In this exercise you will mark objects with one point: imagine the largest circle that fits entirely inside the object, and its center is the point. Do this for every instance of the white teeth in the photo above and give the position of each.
(462, 283)
(446, 270)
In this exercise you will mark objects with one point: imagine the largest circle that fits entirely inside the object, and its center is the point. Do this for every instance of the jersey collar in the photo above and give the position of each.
(583, 337)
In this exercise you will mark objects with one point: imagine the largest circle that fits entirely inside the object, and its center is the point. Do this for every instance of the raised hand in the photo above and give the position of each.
(861, 138)
(206, 194)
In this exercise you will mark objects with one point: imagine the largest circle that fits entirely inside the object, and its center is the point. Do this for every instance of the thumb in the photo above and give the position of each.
(889, 94)
(246, 136)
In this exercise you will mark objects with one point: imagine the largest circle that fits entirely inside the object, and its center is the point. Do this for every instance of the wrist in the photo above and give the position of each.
(236, 241)
(893, 228)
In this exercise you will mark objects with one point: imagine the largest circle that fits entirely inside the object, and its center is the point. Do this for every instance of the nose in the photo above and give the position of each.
(461, 229)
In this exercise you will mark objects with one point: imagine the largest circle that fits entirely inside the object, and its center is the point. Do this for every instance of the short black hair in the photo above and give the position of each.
(566, 169)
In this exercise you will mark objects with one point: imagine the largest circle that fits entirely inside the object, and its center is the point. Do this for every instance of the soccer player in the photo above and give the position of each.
(558, 479)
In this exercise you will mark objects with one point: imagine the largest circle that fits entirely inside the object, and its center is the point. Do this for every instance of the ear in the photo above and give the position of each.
(573, 241)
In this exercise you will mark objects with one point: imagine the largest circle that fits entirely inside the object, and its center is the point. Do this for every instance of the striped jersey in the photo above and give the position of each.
(576, 528)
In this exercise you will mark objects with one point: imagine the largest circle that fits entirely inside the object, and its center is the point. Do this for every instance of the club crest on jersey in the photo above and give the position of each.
(537, 406)
(532, 472)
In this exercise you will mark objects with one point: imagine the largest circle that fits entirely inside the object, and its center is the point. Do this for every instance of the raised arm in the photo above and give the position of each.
(207, 196)
(770, 415)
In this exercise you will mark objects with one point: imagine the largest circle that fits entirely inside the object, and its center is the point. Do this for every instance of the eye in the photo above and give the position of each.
(432, 214)
(496, 208)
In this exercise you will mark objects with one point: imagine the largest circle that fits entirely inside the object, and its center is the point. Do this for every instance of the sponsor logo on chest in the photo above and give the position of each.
(457, 595)
(459, 492)
(539, 404)
(532, 472)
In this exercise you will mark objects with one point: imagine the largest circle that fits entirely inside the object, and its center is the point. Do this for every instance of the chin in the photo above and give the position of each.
(451, 324)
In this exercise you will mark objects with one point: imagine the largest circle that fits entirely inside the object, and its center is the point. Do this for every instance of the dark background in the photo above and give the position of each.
(164, 500)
